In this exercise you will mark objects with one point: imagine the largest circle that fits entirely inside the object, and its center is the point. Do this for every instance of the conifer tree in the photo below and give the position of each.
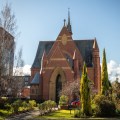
(104, 76)
(85, 93)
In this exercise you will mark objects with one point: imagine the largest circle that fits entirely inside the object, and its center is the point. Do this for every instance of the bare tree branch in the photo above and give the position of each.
(8, 83)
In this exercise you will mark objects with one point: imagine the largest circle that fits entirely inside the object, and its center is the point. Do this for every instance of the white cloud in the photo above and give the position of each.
(26, 70)
(21, 71)
(113, 70)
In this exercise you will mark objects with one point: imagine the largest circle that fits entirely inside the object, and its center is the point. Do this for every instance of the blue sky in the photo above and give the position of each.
(39, 20)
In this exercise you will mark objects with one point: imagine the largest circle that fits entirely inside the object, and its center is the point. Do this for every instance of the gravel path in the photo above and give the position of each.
(24, 116)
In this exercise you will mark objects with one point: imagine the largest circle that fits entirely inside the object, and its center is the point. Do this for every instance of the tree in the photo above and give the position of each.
(104, 76)
(15, 82)
(71, 89)
(7, 48)
(85, 93)
(7, 20)
(116, 93)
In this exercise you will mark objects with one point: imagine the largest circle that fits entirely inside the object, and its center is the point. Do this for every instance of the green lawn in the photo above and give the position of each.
(58, 114)
(65, 114)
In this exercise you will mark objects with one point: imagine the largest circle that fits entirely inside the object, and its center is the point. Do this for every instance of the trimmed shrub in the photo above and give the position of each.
(102, 107)
(16, 105)
(63, 100)
(46, 107)
(3, 101)
(118, 112)
(32, 103)
(8, 106)
(25, 105)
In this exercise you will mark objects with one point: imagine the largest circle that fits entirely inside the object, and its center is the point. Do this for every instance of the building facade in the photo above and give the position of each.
(21, 86)
(61, 61)
(6, 59)
(6, 52)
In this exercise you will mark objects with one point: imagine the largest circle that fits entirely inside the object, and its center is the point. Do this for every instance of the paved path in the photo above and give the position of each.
(24, 116)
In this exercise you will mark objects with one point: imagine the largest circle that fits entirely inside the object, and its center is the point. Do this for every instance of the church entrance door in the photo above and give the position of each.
(58, 88)
(56, 82)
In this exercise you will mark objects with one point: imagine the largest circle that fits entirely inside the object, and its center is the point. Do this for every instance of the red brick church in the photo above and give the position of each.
(60, 61)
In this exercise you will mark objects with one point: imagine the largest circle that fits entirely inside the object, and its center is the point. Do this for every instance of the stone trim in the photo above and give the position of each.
(54, 68)
(57, 59)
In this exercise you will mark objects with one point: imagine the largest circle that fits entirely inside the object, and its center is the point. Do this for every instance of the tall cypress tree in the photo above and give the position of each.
(104, 76)
(85, 93)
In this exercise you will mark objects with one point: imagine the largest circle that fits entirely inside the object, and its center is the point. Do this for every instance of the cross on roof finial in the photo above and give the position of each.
(64, 22)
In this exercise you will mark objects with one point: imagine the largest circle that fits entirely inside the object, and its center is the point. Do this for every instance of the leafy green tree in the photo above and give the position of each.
(85, 93)
(104, 76)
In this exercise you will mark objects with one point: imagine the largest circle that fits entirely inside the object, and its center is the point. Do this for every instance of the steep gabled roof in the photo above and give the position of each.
(43, 46)
(36, 79)
(82, 45)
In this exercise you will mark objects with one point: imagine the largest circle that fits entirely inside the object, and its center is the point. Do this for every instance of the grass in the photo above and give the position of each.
(65, 114)
(58, 114)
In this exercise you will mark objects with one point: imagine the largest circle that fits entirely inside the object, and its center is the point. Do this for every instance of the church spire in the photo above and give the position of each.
(69, 24)
(64, 22)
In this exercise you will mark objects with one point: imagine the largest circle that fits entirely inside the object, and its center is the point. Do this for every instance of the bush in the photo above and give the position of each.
(63, 100)
(24, 106)
(103, 107)
(12, 100)
(8, 106)
(47, 106)
(4, 113)
(79, 114)
(32, 103)
(16, 105)
(118, 112)
(3, 101)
